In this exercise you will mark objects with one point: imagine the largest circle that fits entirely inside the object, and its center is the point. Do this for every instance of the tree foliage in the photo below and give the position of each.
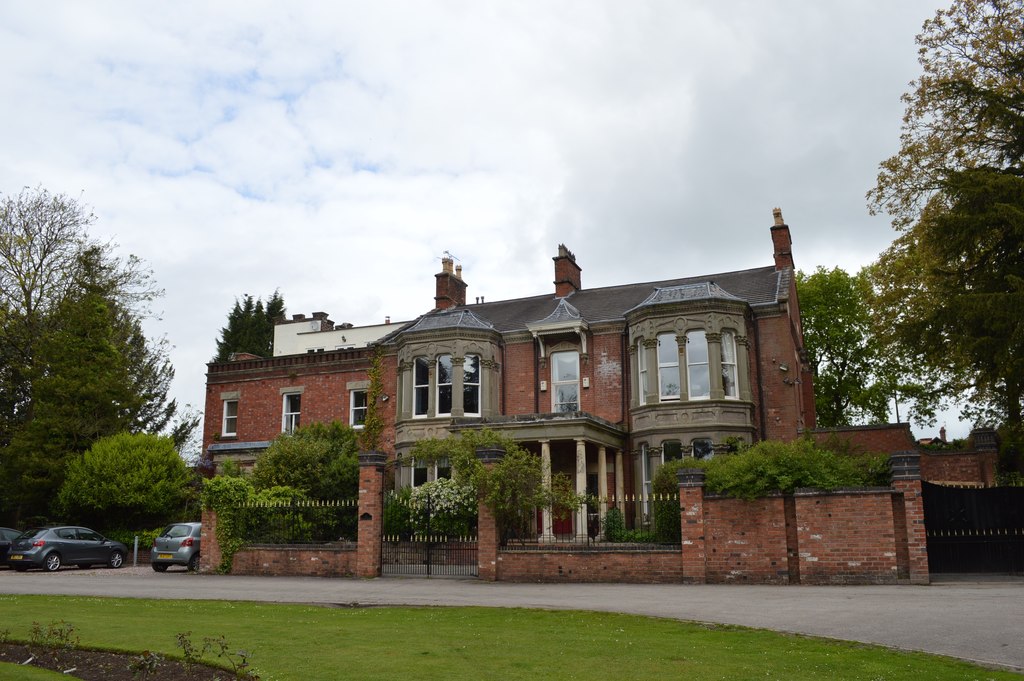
(75, 364)
(373, 426)
(949, 290)
(966, 109)
(250, 327)
(849, 386)
(127, 480)
(321, 459)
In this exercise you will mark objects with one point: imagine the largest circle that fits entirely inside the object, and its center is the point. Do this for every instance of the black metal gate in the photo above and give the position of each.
(416, 542)
(973, 529)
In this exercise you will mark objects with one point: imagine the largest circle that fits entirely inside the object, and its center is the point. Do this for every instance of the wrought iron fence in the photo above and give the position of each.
(626, 523)
(299, 522)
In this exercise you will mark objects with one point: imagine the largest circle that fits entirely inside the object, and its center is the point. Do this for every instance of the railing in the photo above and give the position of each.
(299, 522)
(629, 523)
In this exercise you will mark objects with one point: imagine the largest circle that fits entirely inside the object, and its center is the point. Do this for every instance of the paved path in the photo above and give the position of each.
(982, 621)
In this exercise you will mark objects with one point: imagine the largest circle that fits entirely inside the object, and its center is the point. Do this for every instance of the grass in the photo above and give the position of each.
(17, 672)
(288, 642)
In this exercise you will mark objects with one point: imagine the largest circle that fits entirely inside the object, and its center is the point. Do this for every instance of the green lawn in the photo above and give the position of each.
(306, 643)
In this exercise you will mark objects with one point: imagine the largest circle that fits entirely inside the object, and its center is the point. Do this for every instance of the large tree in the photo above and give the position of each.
(250, 327)
(77, 365)
(850, 386)
(949, 290)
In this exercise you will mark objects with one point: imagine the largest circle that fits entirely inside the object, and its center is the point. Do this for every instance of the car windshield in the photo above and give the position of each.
(33, 533)
(174, 531)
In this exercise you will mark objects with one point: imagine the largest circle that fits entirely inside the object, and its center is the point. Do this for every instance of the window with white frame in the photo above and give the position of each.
(645, 477)
(565, 381)
(229, 424)
(290, 412)
(641, 364)
(698, 377)
(445, 378)
(668, 366)
(729, 365)
(471, 385)
(421, 386)
(357, 408)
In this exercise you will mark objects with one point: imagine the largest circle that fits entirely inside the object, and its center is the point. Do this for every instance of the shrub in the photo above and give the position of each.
(614, 525)
(781, 467)
(452, 508)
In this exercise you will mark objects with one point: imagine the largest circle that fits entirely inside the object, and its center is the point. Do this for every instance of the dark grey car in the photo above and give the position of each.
(7, 535)
(178, 544)
(50, 547)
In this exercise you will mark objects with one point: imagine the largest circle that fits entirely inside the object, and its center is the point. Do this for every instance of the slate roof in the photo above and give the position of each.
(759, 286)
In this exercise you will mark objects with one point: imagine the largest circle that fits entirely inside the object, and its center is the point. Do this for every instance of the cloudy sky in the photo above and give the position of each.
(335, 150)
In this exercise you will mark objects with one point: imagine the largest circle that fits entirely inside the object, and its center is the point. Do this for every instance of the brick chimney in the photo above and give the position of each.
(781, 241)
(451, 290)
(567, 272)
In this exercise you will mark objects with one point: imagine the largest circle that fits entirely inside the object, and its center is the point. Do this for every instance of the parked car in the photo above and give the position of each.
(178, 544)
(50, 547)
(7, 535)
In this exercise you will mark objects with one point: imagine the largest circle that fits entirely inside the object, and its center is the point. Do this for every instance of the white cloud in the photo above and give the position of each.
(335, 150)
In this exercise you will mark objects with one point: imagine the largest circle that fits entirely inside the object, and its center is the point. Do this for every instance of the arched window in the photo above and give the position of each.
(641, 364)
(729, 365)
(668, 366)
(697, 374)
(444, 385)
(471, 385)
(421, 386)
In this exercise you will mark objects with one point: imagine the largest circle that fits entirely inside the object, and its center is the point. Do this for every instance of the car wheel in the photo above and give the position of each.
(159, 567)
(116, 559)
(52, 562)
(193, 563)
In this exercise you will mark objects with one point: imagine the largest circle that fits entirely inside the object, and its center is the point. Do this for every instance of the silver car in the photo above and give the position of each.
(178, 544)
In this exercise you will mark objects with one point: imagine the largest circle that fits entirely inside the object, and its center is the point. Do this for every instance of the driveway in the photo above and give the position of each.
(977, 620)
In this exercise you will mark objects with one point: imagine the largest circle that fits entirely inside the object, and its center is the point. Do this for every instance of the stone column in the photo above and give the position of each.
(487, 535)
(684, 374)
(581, 488)
(458, 378)
(743, 367)
(371, 513)
(691, 504)
(547, 535)
(715, 365)
(620, 484)
(651, 396)
(906, 478)
(602, 480)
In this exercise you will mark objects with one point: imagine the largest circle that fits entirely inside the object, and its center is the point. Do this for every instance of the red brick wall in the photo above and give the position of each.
(782, 401)
(296, 561)
(888, 438)
(964, 468)
(323, 377)
(745, 541)
(520, 389)
(606, 370)
(634, 567)
(846, 537)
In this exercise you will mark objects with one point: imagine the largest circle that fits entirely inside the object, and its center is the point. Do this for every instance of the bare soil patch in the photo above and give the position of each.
(96, 665)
